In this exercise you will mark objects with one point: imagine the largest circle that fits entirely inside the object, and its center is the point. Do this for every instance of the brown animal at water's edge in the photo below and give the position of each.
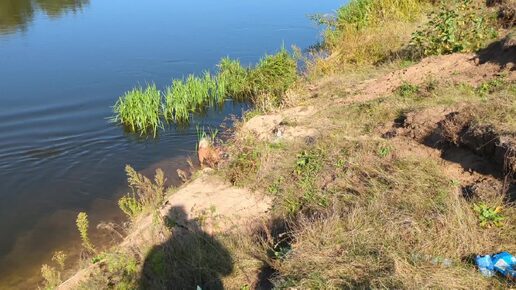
(208, 155)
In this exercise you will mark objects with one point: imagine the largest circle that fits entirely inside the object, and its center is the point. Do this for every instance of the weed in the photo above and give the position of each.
(139, 110)
(273, 75)
(120, 271)
(407, 90)
(146, 195)
(275, 187)
(157, 262)
(491, 86)
(455, 28)
(244, 162)
(130, 205)
(51, 275)
(489, 216)
(83, 224)
(384, 151)
(59, 257)
(308, 165)
(210, 135)
(282, 252)
(306, 162)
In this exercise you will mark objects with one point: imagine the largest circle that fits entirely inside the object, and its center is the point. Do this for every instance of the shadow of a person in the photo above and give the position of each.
(189, 259)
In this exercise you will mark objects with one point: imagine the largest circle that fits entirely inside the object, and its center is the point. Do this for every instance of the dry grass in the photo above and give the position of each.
(368, 32)
(365, 216)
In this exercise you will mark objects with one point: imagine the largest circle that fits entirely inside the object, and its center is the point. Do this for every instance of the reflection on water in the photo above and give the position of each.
(15, 15)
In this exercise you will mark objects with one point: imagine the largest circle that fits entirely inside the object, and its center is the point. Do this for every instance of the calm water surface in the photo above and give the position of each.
(63, 63)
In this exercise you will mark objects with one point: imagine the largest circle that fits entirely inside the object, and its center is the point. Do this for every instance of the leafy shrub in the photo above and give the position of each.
(489, 216)
(456, 28)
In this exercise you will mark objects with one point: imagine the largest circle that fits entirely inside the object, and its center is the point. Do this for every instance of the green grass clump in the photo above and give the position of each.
(191, 95)
(139, 110)
(273, 75)
(233, 79)
(407, 90)
(462, 27)
(489, 216)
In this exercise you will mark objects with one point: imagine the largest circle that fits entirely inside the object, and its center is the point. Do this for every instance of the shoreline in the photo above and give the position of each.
(355, 178)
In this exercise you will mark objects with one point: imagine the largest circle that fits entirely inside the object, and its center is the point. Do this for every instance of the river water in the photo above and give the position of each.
(63, 64)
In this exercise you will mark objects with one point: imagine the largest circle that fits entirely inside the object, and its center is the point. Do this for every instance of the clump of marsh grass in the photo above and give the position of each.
(184, 97)
(233, 79)
(273, 75)
(139, 110)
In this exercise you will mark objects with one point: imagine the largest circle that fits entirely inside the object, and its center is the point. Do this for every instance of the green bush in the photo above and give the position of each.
(456, 28)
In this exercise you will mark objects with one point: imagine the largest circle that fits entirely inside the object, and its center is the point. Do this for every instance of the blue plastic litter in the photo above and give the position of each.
(503, 263)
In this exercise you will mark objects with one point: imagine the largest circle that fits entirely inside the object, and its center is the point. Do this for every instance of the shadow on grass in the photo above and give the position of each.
(189, 259)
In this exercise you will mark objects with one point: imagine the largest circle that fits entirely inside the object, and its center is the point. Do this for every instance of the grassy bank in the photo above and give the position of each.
(386, 168)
